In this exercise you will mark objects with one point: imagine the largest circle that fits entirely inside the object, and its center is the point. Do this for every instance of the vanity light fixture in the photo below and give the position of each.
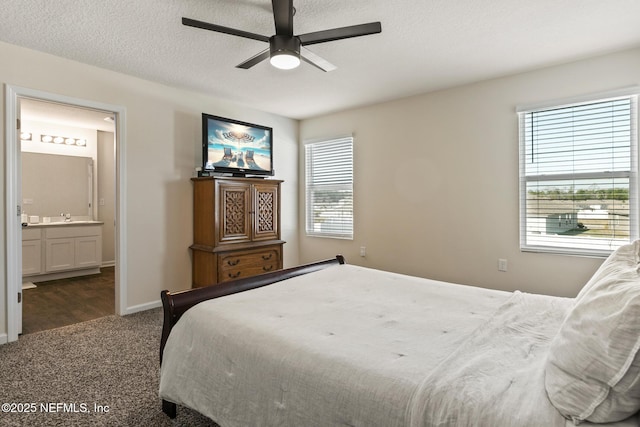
(26, 136)
(80, 142)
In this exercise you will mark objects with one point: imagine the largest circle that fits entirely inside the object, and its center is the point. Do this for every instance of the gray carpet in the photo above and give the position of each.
(110, 362)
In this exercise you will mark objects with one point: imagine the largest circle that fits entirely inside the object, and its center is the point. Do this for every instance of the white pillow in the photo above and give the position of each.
(593, 367)
(621, 257)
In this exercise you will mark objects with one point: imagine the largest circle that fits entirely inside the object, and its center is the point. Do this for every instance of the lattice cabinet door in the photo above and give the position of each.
(266, 218)
(234, 215)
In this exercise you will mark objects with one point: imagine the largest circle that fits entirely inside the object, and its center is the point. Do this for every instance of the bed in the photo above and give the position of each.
(332, 344)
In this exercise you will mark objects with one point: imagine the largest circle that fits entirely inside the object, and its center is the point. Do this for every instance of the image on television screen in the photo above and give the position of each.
(238, 146)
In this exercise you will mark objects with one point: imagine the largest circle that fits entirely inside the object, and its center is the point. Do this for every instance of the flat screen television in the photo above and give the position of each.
(235, 147)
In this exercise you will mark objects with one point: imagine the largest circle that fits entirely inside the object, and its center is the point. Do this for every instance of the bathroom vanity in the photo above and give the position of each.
(59, 250)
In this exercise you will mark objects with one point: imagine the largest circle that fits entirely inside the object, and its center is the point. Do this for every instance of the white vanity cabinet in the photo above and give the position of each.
(70, 247)
(66, 250)
(31, 251)
(59, 254)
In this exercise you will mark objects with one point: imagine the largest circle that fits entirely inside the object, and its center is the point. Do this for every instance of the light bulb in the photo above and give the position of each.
(285, 61)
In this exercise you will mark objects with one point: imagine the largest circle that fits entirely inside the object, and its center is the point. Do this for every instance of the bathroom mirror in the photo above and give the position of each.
(54, 184)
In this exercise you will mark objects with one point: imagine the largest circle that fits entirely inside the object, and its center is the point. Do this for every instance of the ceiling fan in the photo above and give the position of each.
(285, 49)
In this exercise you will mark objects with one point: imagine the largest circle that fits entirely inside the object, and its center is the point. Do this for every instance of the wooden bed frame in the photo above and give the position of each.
(175, 304)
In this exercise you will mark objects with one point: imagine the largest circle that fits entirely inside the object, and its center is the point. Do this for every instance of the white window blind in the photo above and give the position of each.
(329, 188)
(578, 177)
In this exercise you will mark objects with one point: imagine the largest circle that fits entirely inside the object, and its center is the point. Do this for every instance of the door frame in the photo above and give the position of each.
(13, 205)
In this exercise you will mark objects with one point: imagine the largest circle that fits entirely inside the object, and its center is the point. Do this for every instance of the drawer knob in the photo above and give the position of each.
(267, 257)
(267, 267)
(232, 262)
(234, 275)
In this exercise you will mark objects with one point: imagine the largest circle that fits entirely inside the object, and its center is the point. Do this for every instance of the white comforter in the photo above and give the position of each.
(359, 347)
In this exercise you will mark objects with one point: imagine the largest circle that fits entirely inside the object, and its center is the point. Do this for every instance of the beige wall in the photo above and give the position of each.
(436, 179)
(162, 150)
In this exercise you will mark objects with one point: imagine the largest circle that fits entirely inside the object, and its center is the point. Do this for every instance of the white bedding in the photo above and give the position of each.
(359, 347)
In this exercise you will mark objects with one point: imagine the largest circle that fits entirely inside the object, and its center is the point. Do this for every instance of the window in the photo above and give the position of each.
(578, 176)
(329, 188)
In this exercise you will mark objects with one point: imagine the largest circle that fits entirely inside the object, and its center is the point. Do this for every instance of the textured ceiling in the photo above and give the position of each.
(68, 115)
(425, 45)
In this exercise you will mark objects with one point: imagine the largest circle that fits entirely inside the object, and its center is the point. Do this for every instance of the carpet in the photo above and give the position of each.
(102, 372)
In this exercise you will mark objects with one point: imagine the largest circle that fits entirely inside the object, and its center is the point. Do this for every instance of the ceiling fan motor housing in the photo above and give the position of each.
(288, 45)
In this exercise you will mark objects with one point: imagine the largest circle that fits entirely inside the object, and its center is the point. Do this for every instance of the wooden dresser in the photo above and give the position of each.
(236, 228)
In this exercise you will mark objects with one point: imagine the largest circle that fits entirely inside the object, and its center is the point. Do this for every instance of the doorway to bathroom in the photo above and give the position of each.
(42, 118)
(68, 207)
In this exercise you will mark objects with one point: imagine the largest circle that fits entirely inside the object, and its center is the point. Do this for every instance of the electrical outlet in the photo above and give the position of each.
(363, 251)
(502, 264)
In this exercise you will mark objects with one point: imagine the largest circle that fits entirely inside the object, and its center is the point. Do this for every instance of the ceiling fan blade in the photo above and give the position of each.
(340, 33)
(283, 16)
(220, 29)
(254, 60)
(316, 60)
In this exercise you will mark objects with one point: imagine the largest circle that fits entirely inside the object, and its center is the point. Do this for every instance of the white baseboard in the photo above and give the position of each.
(108, 264)
(3, 339)
(143, 307)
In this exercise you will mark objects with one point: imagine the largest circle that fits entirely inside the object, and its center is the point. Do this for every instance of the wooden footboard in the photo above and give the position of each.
(175, 304)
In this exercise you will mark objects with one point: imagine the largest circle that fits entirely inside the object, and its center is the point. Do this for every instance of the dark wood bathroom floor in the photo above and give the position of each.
(64, 302)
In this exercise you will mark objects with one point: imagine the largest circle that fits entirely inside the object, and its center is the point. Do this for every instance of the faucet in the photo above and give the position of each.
(67, 217)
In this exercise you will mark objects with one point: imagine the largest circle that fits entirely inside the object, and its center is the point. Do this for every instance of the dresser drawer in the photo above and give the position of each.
(235, 265)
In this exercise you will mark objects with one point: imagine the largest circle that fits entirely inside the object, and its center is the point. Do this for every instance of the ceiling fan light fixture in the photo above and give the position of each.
(285, 60)
(284, 52)
(285, 46)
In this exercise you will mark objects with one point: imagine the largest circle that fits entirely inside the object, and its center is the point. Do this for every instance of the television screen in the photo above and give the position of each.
(239, 148)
